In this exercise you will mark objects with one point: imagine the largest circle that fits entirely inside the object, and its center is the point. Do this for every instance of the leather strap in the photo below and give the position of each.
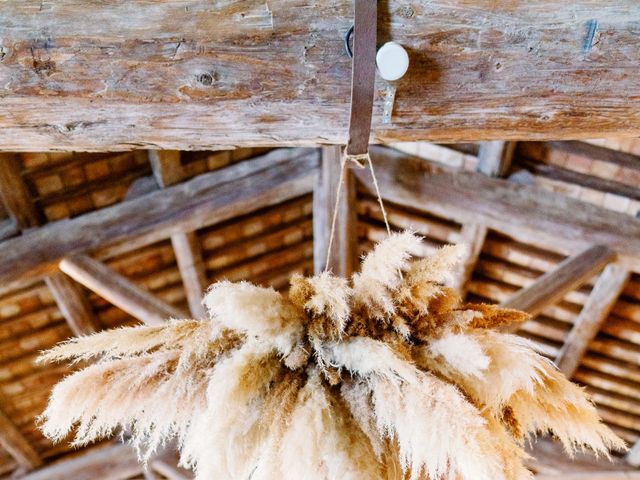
(363, 76)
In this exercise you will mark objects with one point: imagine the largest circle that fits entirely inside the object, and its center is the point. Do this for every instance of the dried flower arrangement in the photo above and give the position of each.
(389, 377)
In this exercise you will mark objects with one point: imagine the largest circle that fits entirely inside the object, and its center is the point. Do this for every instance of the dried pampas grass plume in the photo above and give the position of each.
(387, 376)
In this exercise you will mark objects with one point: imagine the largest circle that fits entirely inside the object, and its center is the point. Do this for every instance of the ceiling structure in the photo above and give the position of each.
(94, 241)
(197, 75)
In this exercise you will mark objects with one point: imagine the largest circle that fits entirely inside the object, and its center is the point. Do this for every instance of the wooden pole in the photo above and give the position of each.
(118, 290)
(343, 255)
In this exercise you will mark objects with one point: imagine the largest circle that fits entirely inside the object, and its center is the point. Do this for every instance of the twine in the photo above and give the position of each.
(357, 160)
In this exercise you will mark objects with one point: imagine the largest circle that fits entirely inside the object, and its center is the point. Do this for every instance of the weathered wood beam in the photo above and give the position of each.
(118, 290)
(12, 440)
(168, 468)
(473, 236)
(210, 75)
(188, 252)
(555, 284)
(207, 199)
(14, 193)
(494, 158)
(605, 292)
(528, 214)
(110, 462)
(166, 166)
(343, 256)
(73, 304)
(8, 228)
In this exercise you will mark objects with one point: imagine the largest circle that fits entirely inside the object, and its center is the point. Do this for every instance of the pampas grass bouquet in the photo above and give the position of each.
(387, 375)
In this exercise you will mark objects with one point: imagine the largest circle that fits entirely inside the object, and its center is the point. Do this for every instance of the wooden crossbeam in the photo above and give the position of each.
(73, 304)
(218, 74)
(555, 284)
(167, 467)
(109, 462)
(209, 198)
(14, 193)
(472, 235)
(605, 292)
(188, 252)
(12, 440)
(528, 214)
(494, 158)
(343, 256)
(118, 290)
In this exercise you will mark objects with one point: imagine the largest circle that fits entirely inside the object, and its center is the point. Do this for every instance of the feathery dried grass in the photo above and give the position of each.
(390, 377)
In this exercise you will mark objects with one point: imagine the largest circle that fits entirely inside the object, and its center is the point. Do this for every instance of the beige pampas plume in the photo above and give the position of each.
(389, 377)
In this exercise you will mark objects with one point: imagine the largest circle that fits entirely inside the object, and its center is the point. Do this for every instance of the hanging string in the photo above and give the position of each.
(357, 160)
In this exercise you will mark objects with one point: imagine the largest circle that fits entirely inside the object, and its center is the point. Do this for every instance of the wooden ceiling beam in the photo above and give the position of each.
(73, 304)
(193, 271)
(526, 213)
(12, 440)
(213, 197)
(218, 75)
(119, 290)
(494, 158)
(14, 193)
(604, 295)
(473, 235)
(343, 256)
(550, 287)
(166, 166)
(109, 462)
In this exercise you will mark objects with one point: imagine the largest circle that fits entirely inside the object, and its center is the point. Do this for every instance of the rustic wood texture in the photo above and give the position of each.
(73, 304)
(188, 252)
(14, 193)
(12, 440)
(118, 290)
(494, 158)
(604, 295)
(553, 285)
(530, 214)
(110, 462)
(343, 257)
(209, 198)
(166, 166)
(472, 235)
(198, 75)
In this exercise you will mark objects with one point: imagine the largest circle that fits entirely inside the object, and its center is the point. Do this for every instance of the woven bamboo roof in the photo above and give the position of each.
(267, 240)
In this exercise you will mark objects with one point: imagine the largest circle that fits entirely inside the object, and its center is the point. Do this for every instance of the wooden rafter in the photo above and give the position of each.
(166, 166)
(221, 74)
(343, 256)
(535, 216)
(494, 158)
(605, 292)
(472, 235)
(188, 252)
(555, 284)
(209, 198)
(73, 304)
(14, 193)
(12, 440)
(118, 290)
(109, 462)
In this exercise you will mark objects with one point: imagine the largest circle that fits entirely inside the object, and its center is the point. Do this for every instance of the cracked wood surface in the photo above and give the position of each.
(197, 75)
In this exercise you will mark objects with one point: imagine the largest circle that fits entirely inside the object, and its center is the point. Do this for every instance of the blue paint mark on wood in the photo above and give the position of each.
(592, 29)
